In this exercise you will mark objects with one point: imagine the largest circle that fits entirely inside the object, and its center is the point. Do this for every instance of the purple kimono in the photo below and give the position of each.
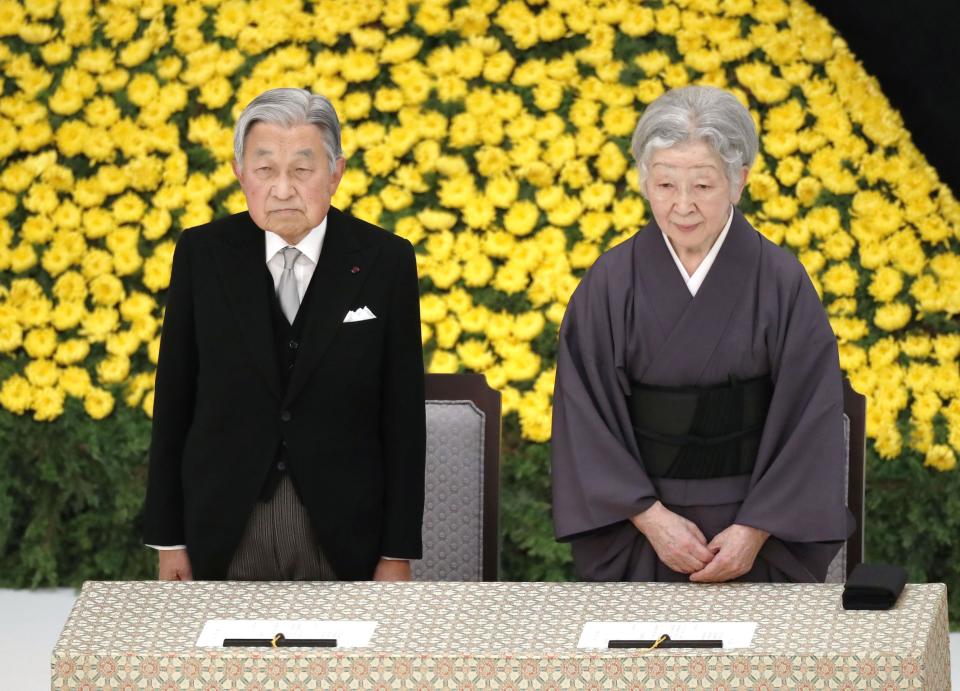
(633, 320)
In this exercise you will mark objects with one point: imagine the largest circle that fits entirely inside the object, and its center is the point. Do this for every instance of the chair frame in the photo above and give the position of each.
(855, 407)
(474, 388)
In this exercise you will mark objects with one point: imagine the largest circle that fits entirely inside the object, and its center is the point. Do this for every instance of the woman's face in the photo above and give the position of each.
(690, 196)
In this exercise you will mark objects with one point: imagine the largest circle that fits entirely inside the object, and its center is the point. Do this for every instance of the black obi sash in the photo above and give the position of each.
(692, 432)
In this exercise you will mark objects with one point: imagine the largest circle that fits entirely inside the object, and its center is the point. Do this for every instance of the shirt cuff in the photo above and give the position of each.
(166, 547)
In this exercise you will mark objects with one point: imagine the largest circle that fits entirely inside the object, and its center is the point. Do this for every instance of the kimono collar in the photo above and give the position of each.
(696, 280)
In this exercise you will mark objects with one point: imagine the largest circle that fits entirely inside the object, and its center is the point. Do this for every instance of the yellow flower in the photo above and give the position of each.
(522, 366)
(445, 274)
(840, 279)
(548, 95)
(432, 308)
(916, 345)
(781, 208)
(892, 316)
(137, 386)
(40, 343)
(458, 300)
(559, 151)
(359, 66)
(106, 289)
(883, 353)
(620, 122)
(594, 225)
(535, 424)
(852, 357)
(400, 49)
(555, 312)
(447, 332)
(611, 163)
(813, 261)
(98, 403)
(11, 337)
(54, 52)
(47, 404)
(16, 394)
(498, 67)
(946, 346)
(598, 195)
(583, 255)
(379, 160)
(479, 212)
(510, 278)
(123, 343)
(886, 284)
(477, 271)
(22, 258)
(41, 373)
(443, 362)
(71, 351)
(142, 89)
(475, 355)
(37, 230)
(394, 198)
(566, 212)
(474, 320)
(113, 369)
(941, 457)
(521, 218)
(528, 326)
(906, 252)
(808, 190)
(926, 405)
(502, 191)
(97, 325)
(848, 328)
(148, 404)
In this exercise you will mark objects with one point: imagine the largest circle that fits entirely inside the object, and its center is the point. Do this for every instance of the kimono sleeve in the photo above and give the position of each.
(797, 488)
(598, 479)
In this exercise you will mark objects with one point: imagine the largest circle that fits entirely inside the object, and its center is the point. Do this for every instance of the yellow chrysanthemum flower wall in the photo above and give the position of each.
(492, 135)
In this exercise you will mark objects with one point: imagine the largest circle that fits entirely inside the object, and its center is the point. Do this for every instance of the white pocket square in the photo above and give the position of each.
(358, 315)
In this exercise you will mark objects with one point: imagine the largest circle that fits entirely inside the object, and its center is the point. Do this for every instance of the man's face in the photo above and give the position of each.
(286, 178)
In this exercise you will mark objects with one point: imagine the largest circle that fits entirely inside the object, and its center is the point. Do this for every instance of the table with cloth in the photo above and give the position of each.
(500, 635)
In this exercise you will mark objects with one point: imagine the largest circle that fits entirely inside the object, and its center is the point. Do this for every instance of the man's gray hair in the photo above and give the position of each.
(289, 108)
(696, 113)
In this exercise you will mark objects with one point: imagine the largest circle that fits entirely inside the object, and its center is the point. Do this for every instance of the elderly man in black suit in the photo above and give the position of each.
(288, 428)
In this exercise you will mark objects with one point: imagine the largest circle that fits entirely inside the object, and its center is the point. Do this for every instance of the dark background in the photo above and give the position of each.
(911, 47)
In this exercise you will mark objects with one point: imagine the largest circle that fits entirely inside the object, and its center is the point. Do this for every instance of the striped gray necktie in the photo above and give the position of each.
(287, 289)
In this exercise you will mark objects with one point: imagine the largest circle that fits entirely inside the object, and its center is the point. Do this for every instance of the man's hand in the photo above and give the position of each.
(736, 549)
(677, 541)
(392, 570)
(175, 565)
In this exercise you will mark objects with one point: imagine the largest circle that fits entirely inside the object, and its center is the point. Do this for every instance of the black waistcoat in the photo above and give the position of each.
(286, 345)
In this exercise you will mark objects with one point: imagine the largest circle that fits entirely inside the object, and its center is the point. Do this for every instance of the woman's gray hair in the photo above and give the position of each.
(692, 114)
(289, 108)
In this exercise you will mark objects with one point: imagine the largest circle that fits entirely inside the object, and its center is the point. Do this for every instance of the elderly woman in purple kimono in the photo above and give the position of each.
(697, 424)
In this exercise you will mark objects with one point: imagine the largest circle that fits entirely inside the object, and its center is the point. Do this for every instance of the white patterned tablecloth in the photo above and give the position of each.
(500, 635)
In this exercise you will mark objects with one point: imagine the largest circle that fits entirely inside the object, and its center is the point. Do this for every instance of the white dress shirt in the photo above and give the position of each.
(303, 270)
(693, 282)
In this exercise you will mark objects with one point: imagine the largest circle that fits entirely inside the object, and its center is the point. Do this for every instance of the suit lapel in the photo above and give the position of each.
(695, 336)
(242, 270)
(343, 268)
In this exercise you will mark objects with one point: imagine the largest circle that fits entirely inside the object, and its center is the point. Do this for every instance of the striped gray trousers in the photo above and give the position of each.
(278, 544)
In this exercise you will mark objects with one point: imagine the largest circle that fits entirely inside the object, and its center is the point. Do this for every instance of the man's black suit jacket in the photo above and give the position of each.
(351, 420)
